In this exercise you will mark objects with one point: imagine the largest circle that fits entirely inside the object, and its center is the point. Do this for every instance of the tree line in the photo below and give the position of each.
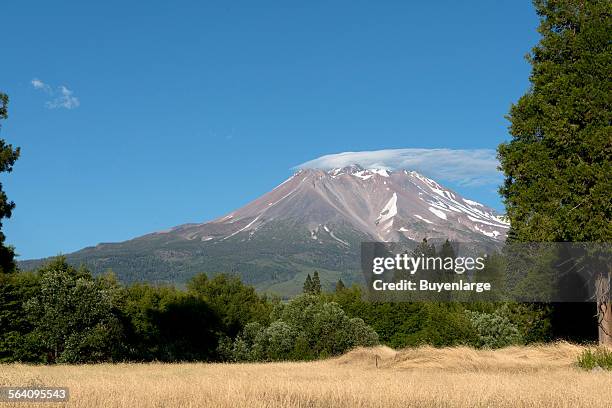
(60, 313)
(63, 314)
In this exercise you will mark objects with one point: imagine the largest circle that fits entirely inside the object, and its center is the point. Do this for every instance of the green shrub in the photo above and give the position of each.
(593, 358)
(306, 328)
(280, 339)
(445, 325)
(495, 329)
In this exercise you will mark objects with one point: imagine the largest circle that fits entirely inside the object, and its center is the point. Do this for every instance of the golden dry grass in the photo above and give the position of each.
(540, 376)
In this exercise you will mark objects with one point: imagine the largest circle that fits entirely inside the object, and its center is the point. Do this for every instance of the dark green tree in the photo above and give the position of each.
(408, 324)
(187, 328)
(447, 250)
(308, 284)
(425, 249)
(167, 324)
(16, 341)
(316, 283)
(340, 286)
(8, 157)
(235, 303)
(72, 315)
(558, 163)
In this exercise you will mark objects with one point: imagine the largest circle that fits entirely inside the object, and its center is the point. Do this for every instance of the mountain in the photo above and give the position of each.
(315, 220)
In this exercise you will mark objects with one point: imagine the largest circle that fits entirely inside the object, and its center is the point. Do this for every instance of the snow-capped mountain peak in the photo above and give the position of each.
(376, 202)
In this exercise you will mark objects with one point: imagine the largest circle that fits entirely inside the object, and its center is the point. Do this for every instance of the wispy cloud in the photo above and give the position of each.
(62, 97)
(66, 99)
(38, 84)
(468, 167)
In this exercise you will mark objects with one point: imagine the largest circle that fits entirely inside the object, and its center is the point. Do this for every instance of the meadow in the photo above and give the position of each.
(533, 376)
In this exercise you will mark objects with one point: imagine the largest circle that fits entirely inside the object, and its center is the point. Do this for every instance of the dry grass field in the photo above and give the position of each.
(542, 376)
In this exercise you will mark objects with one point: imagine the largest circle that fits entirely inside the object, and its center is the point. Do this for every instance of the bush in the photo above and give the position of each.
(307, 327)
(495, 329)
(280, 340)
(593, 358)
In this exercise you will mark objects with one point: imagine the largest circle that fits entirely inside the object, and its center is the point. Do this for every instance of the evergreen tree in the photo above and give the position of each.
(316, 283)
(8, 156)
(447, 250)
(308, 284)
(424, 249)
(558, 163)
(340, 286)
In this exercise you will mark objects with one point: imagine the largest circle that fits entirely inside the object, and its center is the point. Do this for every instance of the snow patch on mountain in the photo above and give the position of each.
(380, 172)
(281, 199)
(480, 221)
(438, 213)
(389, 211)
(331, 233)
(244, 228)
(470, 202)
(492, 234)
(363, 174)
(422, 218)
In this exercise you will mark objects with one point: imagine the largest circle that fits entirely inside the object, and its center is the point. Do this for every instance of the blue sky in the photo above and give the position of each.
(155, 114)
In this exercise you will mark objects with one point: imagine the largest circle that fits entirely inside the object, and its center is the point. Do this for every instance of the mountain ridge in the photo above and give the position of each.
(316, 219)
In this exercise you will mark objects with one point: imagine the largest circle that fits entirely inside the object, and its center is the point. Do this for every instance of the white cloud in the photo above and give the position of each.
(66, 99)
(38, 84)
(468, 167)
(62, 96)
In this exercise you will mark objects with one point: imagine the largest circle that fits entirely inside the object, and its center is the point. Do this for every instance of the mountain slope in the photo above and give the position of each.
(316, 219)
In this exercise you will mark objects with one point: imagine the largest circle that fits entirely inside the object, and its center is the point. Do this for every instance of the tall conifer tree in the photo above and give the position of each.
(8, 157)
(308, 284)
(316, 283)
(558, 163)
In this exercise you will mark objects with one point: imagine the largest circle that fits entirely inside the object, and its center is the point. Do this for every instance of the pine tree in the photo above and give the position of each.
(340, 286)
(558, 163)
(316, 283)
(8, 157)
(447, 250)
(424, 249)
(308, 284)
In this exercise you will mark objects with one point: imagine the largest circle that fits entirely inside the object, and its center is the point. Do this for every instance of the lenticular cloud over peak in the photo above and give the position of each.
(463, 166)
